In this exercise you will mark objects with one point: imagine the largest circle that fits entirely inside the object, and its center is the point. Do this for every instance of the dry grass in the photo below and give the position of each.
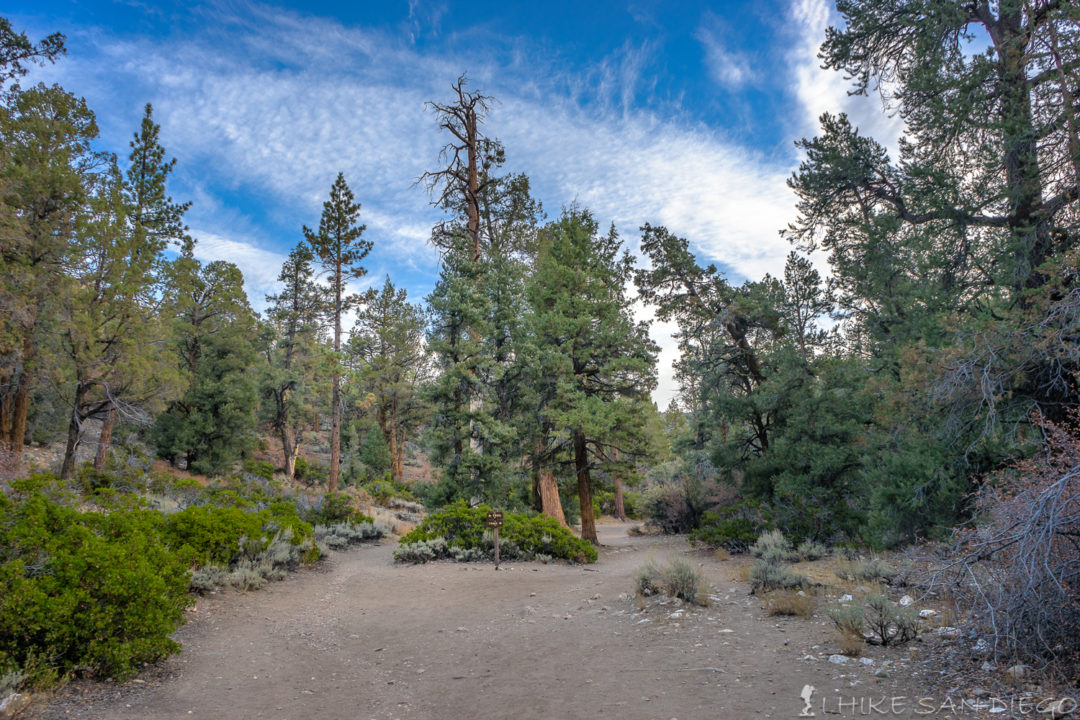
(850, 644)
(742, 572)
(791, 604)
(721, 554)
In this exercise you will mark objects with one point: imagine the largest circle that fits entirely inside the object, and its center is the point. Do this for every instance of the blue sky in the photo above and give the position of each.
(675, 113)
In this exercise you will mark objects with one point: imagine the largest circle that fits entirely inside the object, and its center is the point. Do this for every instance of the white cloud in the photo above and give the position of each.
(291, 100)
(260, 266)
(729, 69)
(819, 90)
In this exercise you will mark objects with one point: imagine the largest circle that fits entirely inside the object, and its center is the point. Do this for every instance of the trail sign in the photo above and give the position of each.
(495, 521)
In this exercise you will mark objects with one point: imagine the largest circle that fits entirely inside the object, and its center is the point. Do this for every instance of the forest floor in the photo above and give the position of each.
(359, 637)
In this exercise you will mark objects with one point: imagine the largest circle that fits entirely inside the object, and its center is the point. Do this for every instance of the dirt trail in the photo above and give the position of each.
(362, 638)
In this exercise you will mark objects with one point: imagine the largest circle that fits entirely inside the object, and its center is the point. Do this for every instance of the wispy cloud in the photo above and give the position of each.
(728, 68)
(820, 91)
(274, 104)
(260, 266)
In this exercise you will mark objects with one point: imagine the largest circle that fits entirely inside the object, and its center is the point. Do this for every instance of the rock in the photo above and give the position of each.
(948, 631)
(1018, 672)
(981, 648)
(987, 666)
(881, 673)
(1060, 708)
(9, 703)
(980, 692)
(862, 590)
(905, 601)
(727, 630)
(927, 613)
(845, 598)
(866, 661)
(838, 659)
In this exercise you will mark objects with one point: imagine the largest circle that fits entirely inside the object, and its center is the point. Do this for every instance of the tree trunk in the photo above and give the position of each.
(20, 405)
(620, 508)
(67, 470)
(335, 436)
(105, 438)
(397, 452)
(545, 486)
(1023, 177)
(335, 426)
(288, 450)
(472, 200)
(584, 485)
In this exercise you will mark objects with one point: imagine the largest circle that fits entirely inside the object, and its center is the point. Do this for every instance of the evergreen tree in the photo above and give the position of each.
(460, 428)
(16, 51)
(153, 220)
(292, 352)
(110, 330)
(45, 162)
(211, 425)
(598, 357)
(339, 247)
(387, 345)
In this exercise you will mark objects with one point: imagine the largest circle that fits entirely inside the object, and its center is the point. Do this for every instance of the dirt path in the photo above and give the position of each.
(362, 638)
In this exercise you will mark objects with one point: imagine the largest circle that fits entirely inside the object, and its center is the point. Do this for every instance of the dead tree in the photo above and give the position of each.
(460, 185)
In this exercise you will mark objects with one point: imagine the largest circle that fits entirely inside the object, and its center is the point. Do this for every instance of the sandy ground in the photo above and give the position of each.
(359, 637)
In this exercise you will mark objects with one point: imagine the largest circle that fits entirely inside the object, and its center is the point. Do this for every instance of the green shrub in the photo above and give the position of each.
(648, 580)
(766, 576)
(384, 490)
(86, 590)
(309, 473)
(342, 535)
(334, 508)
(204, 535)
(811, 550)
(874, 569)
(879, 621)
(259, 468)
(734, 534)
(522, 535)
(679, 578)
(685, 581)
(773, 547)
(421, 551)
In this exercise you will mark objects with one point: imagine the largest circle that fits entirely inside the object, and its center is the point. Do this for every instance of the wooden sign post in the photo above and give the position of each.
(495, 521)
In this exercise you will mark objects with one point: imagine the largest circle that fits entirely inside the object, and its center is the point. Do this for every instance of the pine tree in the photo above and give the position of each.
(339, 247)
(153, 220)
(387, 345)
(212, 422)
(293, 357)
(600, 359)
(45, 163)
(110, 330)
(16, 51)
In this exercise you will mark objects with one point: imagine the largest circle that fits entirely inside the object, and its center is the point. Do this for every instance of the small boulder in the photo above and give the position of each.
(927, 613)
(1018, 672)
(846, 598)
(838, 659)
(1059, 709)
(906, 600)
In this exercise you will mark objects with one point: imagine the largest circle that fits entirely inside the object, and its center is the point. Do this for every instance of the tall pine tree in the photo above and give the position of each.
(339, 247)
